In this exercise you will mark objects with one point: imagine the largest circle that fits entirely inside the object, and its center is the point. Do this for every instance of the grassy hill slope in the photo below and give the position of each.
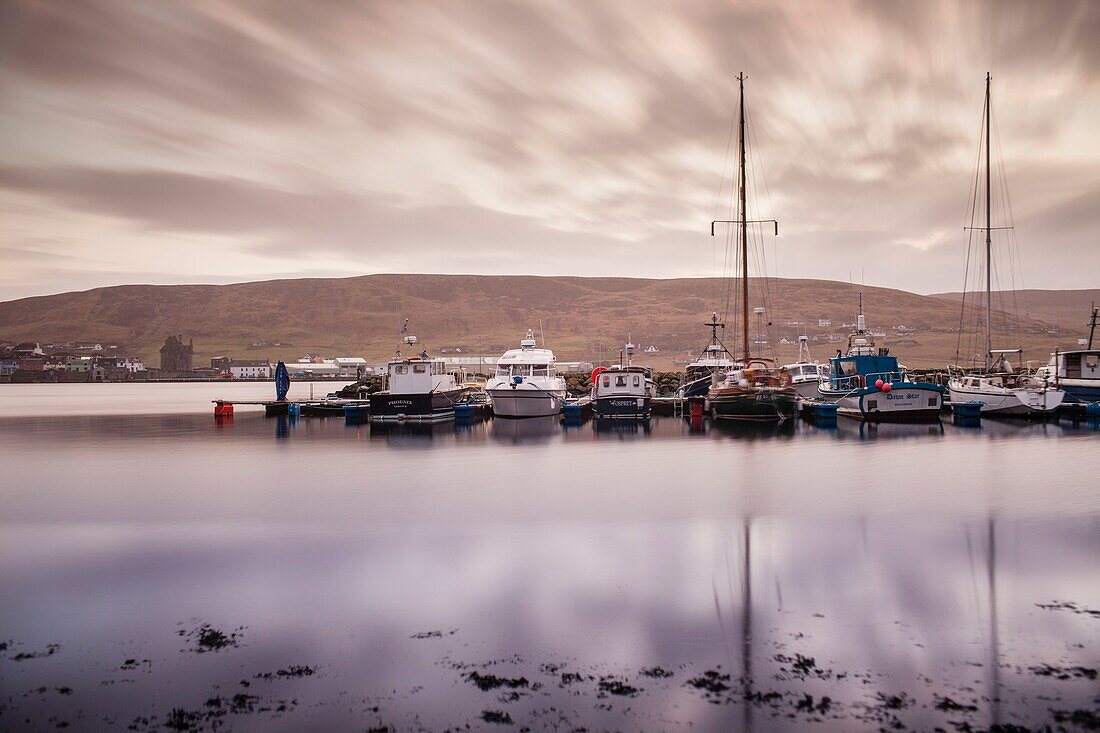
(580, 316)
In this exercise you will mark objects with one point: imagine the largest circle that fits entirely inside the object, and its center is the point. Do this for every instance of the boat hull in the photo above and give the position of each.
(751, 403)
(806, 390)
(526, 402)
(1023, 402)
(418, 407)
(622, 408)
(905, 402)
(697, 387)
(1080, 390)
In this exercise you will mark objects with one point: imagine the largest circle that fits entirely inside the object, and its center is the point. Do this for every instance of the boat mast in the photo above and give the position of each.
(744, 222)
(988, 240)
(744, 228)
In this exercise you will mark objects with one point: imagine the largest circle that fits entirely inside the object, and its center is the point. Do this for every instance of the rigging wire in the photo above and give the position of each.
(972, 205)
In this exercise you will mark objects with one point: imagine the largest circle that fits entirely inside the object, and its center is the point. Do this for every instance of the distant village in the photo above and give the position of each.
(80, 361)
(87, 361)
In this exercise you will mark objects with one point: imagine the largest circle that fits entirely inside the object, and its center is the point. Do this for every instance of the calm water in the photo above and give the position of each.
(930, 576)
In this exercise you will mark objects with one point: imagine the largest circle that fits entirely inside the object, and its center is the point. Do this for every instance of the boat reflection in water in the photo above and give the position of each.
(411, 434)
(529, 430)
(888, 430)
(745, 430)
(604, 427)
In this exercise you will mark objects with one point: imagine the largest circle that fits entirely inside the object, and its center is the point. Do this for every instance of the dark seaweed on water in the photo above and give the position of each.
(210, 639)
(496, 716)
(1064, 673)
(613, 686)
(486, 682)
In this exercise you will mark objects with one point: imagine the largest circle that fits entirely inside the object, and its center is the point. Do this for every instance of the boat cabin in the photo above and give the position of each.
(633, 381)
(1083, 364)
(807, 371)
(527, 361)
(418, 376)
(858, 370)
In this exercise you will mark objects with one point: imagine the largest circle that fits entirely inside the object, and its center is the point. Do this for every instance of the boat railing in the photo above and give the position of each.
(852, 382)
(890, 377)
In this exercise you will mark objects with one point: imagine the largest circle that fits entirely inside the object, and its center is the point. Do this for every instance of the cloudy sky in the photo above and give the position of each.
(225, 142)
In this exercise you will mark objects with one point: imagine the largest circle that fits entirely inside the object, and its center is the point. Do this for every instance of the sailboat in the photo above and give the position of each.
(752, 389)
(1000, 388)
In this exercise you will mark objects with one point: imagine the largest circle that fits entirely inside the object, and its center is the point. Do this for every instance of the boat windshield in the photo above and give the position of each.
(524, 370)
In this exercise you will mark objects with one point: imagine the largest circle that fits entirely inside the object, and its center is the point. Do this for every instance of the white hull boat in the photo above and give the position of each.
(526, 383)
(1005, 395)
(526, 401)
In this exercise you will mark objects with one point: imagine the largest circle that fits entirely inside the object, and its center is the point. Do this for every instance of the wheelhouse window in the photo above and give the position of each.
(540, 370)
(620, 381)
(606, 381)
(637, 381)
(401, 369)
(420, 368)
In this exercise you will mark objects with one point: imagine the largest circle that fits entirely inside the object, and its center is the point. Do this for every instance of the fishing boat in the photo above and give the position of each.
(752, 388)
(714, 359)
(623, 391)
(1076, 372)
(526, 382)
(806, 374)
(417, 389)
(1000, 388)
(869, 383)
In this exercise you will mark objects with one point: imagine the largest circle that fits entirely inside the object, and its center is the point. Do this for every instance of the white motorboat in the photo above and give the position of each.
(1076, 372)
(806, 374)
(526, 382)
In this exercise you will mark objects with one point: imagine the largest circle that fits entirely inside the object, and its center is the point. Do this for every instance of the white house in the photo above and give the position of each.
(311, 369)
(250, 369)
(130, 364)
(350, 366)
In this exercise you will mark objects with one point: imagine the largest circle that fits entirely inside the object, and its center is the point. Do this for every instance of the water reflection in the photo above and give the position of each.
(622, 429)
(602, 551)
(848, 428)
(527, 430)
(749, 430)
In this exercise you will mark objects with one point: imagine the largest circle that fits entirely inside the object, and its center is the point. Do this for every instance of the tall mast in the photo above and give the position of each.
(744, 230)
(988, 240)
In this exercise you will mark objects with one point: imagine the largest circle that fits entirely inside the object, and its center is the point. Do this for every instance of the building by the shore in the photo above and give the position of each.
(175, 356)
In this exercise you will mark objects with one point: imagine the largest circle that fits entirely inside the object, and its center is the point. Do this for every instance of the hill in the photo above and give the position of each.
(582, 317)
(1064, 307)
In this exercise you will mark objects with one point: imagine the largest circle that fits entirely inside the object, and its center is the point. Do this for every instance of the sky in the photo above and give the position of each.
(213, 142)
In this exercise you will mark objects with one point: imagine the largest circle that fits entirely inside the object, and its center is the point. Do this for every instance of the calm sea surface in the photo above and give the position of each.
(160, 570)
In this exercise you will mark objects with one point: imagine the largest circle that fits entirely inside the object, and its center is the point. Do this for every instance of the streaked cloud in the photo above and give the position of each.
(513, 137)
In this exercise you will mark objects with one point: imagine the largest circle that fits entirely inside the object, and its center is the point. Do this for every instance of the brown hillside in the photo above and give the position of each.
(1066, 308)
(580, 316)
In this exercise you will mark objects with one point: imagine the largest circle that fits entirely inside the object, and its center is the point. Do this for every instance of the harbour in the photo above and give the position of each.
(573, 367)
(623, 592)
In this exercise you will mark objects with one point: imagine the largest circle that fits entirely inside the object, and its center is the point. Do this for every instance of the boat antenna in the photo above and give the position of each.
(1092, 324)
(542, 333)
(743, 221)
